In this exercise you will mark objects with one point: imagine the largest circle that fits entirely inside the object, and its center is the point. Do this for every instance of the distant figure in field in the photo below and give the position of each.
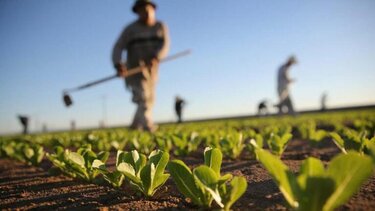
(263, 108)
(44, 128)
(324, 101)
(146, 42)
(73, 125)
(179, 104)
(24, 122)
(283, 82)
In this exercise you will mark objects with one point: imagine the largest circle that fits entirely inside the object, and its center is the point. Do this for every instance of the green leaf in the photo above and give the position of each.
(315, 186)
(120, 157)
(338, 141)
(76, 164)
(280, 173)
(224, 179)
(371, 149)
(159, 181)
(311, 167)
(213, 159)
(259, 140)
(319, 135)
(215, 195)
(237, 188)
(349, 172)
(207, 180)
(98, 164)
(147, 175)
(39, 155)
(29, 152)
(129, 172)
(114, 178)
(160, 160)
(103, 156)
(134, 159)
(76, 158)
(278, 144)
(206, 176)
(184, 180)
(315, 193)
(59, 150)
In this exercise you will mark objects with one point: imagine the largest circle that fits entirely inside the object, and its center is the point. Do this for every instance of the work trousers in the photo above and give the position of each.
(286, 103)
(144, 96)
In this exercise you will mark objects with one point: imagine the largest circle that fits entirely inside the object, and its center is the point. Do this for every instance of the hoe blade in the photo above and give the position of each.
(67, 100)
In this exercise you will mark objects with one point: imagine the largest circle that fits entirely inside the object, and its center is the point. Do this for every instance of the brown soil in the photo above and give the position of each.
(26, 187)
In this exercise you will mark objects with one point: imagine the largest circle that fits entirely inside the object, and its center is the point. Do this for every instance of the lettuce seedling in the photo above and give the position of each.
(143, 142)
(316, 188)
(33, 154)
(277, 138)
(258, 139)
(185, 143)
(115, 178)
(232, 144)
(351, 140)
(164, 142)
(277, 144)
(309, 132)
(78, 164)
(146, 175)
(205, 184)
(29, 153)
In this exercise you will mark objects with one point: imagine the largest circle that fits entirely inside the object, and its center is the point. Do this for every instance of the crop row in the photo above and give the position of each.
(143, 159)
(231, 141)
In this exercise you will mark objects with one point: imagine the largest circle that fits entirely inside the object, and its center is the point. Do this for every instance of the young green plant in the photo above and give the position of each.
(146, 175)
(115, 178)
(78, 164)
(352, 140)
(316, 188)
(205, 184)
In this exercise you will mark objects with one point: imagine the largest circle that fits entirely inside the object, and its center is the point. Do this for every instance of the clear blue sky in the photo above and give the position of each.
(47, 46)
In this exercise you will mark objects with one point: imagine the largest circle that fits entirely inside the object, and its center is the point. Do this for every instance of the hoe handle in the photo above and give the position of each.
(96, 82)
(138, 69)
(129, 72)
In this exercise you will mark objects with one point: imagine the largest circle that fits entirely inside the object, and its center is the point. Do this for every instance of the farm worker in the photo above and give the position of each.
(262, 108)
(283, 82)
(179, 104)
(24, 120)
(323, 101)
(146, 42)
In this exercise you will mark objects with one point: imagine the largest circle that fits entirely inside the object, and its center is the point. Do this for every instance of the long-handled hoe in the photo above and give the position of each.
(68, 100)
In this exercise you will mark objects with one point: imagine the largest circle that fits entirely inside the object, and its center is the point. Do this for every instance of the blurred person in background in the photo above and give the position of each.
(263, 108)
(24, 120)
(179, 104)
(285, 104)
(146, 42)
(323, 101)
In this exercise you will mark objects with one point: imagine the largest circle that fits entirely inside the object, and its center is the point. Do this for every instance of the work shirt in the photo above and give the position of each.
(142, 43)
(283, 82)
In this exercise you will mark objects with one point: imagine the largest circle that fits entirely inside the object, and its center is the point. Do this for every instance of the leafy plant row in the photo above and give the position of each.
(145, 174)
(316, 188)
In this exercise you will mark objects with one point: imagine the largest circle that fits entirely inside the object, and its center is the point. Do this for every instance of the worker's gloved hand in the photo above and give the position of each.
(121, 70)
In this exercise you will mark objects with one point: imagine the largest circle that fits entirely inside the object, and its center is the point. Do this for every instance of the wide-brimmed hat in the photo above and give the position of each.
(141, 3)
